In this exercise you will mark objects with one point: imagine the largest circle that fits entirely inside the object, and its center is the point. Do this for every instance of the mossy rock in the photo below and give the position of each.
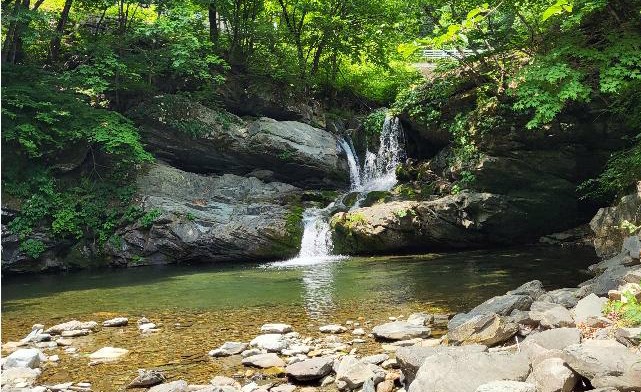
(350, 199)
(375, 197)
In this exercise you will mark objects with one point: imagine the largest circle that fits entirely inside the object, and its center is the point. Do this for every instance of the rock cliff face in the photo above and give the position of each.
(195, 138)
(518, 186)
(209, 218)
(607, 224)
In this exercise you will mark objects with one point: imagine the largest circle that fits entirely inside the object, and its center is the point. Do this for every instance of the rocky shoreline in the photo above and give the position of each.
(528, 339)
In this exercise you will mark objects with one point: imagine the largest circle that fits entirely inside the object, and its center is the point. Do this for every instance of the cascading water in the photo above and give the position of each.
(377, 174)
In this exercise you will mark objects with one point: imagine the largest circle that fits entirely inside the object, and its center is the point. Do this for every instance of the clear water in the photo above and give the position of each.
(198, 307)
(452, 281)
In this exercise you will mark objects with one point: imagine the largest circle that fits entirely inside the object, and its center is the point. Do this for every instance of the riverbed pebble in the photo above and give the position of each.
(116, 322)
(276, 328)
(332, 328)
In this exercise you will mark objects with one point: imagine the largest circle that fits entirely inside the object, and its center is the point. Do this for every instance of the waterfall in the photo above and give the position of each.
(316, 240)
(377, 174)
(352, 162)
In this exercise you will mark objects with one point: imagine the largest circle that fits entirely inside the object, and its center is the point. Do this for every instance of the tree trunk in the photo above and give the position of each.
(60, 29)
(213, 23)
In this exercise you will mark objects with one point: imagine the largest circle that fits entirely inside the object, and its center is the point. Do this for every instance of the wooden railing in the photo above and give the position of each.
(435, 54)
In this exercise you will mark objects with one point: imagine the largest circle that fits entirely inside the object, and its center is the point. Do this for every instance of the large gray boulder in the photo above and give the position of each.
(400, 330)
(590, 306)
(212, 218)
(608, 237)
(555, 339)
(465, 220)
(502, 305)
(466, 371)
(629, 381)
(566, 297)
(550, 315)
(411, 358)
(486, 329)
(599, 358)
(552, 375)
(198, 139)
(24, 358)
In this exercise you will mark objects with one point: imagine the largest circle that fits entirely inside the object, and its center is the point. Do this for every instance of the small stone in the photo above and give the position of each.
(75, 333)
(228, 348)
(327, 380)
(174, 386)
(358, 332)
(420, 319)
(385, 386)
(283, 388)
(332, 328)
(146, 326)
(400, 330)
(53, 358)
(116, 322)
(250, 352)
(147, 378)
(276, 328)
(64, 342)
(375, 359)
(272, 342)
(264, 361)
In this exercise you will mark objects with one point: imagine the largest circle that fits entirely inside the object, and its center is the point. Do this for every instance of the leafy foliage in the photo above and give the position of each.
(626, 311)
(71, 163)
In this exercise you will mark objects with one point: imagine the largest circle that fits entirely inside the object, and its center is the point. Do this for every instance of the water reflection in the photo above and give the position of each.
(318, 290)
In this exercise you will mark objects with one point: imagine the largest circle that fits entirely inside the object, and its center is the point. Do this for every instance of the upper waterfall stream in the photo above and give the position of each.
(378, 173)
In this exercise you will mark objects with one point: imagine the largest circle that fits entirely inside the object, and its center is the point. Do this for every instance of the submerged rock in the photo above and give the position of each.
(147, 378)
(107, 354)
(228, 348)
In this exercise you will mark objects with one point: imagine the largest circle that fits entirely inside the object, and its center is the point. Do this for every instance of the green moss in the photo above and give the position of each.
(375, 197)
(150, 217)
